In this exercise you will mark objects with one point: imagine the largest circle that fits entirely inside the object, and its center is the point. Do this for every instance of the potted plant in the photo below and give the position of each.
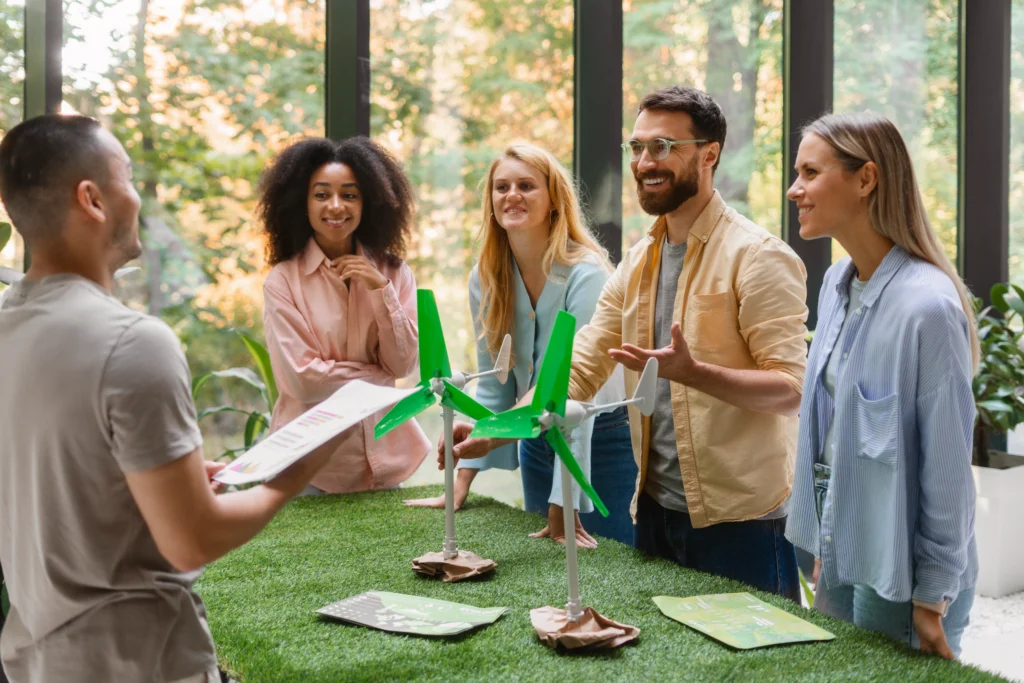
(999, 476)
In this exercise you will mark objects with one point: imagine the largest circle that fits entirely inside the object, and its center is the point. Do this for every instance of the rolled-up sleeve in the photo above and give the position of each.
(299, 368)
(946, 412)
(490, 392)
(772, 293)
(394, 308)
(591, 364)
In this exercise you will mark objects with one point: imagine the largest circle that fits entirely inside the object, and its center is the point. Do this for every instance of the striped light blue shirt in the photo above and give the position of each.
(899, 517)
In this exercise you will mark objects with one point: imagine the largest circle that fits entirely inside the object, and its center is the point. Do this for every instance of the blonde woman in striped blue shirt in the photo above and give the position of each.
(883, 494)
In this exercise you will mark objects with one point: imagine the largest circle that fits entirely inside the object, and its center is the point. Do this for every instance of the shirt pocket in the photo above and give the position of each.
(712, 325)
(876, 427)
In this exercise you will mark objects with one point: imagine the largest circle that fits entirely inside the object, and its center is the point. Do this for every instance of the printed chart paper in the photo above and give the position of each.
(411, 614)
(740, 620)
(346, 407)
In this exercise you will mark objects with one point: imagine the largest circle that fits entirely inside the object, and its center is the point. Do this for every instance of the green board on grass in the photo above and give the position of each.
(411, 614)
(740, 620)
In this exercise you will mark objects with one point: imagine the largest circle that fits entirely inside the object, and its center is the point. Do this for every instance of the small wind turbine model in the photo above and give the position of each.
(552, 408)
(437, 381)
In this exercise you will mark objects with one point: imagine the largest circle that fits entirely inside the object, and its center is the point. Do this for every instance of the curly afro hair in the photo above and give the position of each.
(386, 222)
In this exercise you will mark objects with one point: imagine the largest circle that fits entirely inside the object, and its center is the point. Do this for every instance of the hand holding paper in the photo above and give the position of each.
(345, 408)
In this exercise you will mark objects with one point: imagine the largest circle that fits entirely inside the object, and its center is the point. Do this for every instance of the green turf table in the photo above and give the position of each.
(261, 600)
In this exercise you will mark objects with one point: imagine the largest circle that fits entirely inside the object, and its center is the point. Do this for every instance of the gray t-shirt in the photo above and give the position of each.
(832, 369)
(90, 390)
(664, 480)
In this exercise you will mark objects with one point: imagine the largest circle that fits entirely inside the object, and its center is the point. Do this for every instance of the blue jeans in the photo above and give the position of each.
(862, 606)
(613, 473)
(755, 552)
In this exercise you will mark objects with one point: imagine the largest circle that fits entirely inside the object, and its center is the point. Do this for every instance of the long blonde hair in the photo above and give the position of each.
(894, 206)
(569, 242)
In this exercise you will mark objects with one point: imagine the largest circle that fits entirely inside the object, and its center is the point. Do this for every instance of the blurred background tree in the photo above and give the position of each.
(203, 93)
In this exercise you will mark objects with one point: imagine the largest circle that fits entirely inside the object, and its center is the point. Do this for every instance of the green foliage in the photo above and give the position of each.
(999, 383)
(5, 234)
(12, 64)
(261, 600)
(733, 50)
(256, 421)
(1017, 142)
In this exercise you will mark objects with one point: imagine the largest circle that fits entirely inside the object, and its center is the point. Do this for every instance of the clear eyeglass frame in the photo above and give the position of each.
(658, 148)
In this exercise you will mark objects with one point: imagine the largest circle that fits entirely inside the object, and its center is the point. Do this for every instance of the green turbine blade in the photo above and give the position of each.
(553, 383)
(456, 399)
(409, 407)
(518, 423)
(433, 352)
(557, 441)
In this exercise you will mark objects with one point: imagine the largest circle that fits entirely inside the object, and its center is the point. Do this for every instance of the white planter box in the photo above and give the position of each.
(999, 528)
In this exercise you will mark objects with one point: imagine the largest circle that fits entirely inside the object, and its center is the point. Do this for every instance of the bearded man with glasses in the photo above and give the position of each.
(721, 303)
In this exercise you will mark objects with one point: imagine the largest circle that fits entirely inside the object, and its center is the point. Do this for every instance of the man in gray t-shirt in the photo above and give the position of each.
(106, 509)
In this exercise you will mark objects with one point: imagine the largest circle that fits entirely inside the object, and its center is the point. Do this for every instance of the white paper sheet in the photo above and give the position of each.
(346, 407)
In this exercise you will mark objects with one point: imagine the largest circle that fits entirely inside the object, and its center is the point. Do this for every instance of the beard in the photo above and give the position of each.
(125, 242)
(667, 201)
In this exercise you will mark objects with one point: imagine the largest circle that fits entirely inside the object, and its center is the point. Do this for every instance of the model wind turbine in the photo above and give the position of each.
(553, 414)
(437, 381)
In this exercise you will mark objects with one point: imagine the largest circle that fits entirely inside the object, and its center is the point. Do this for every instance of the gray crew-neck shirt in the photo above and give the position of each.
(856, 290)
(664, 482)
(90, 390)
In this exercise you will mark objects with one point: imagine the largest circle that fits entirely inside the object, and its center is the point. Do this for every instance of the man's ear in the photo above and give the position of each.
(89, 199)
(711, 152)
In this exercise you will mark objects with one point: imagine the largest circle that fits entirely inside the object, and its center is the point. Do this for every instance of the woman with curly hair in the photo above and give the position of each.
(539, 257)
(340, 303)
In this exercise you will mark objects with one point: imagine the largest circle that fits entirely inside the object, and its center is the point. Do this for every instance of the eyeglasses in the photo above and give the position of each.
(658, 148)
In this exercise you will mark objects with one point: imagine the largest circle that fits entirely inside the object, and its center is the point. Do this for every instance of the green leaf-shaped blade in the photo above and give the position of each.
(557, 441)
(456, 399)
(5, 234)
(518, 423)
(553, 383)
(406, 409)
(433, 352)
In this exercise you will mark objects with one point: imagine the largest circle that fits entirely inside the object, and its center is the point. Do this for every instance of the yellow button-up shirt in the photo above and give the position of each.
(741, 301)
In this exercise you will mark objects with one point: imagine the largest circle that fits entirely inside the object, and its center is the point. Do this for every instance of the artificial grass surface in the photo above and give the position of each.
(261, 600)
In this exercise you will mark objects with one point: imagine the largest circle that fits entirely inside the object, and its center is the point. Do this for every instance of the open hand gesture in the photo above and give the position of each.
(674, 361)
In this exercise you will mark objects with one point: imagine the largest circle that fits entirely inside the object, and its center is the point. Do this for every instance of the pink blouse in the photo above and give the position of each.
(321, 334)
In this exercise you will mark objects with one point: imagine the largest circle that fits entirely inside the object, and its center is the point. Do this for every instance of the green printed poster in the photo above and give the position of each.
(410, 614)
(740, 620)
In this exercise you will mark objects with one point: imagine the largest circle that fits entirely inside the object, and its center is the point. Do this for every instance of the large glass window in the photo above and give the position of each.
(899, 58)
(732, 50)
(202, 93)
(12, 94)
(452, 84)
(1017, 143)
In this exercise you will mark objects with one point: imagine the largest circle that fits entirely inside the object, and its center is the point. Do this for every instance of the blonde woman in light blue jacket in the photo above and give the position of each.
(538, 258)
